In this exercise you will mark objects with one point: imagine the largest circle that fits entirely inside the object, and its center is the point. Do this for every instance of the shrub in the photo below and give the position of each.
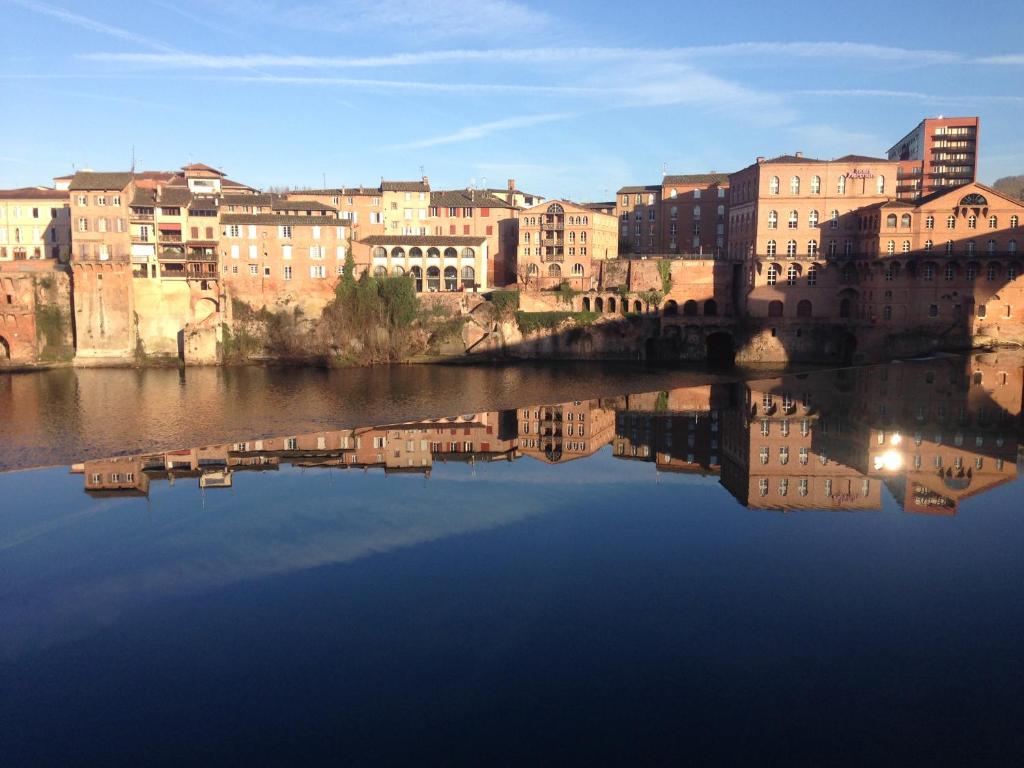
(505, 302)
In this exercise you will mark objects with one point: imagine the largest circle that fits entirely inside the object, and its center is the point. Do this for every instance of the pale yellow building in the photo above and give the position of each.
(35, 223)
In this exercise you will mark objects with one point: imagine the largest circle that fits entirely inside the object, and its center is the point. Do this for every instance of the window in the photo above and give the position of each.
(933, 310)
(773, 274)
(317, 271)
(880, 185)
(812, 275)
(972, 222)
(773, 219)
(841, 185)
(950, 273)
(834, 217)
(812, 247)
(993, 222)
(890, 220)
(929, 222)
(906, 246)
(287, 272)
(286, 252)
(949, 247)
(1014, 221)
(794, 219)
(812, 219)
(770, 248)
(991, 246)
(794, 185)
(928, 245)
(815, 185)
(890, 247)
(773, 186)
(234, 231)
(254, 270)
(791, 275)
(285, 231)
(929, 272)
(83, 225)
(791, 248)
(990, 274)
(951, 222)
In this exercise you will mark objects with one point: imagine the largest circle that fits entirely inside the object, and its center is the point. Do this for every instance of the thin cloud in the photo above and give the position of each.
(547, 55)
(415, 85)
(917, 95)
(471, 132)
(84, 22)
(1011, 58)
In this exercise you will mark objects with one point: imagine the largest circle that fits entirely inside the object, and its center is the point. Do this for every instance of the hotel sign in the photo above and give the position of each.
(860, 173)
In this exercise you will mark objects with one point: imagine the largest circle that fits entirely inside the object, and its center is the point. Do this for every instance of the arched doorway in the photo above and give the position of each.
(417, 276)
(433, 279)
(5, 349)
(586, 303)
(638, 307)
(204, 309)
(710, 308)
(671, 308)
(611, 304)
(803, 309)
(690, 308)
(451, 279)
(720, 350)
(599, 304)
(775, 309)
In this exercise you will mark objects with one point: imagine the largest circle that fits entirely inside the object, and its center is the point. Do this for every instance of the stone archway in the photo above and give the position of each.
(204, 309)
(5, 350)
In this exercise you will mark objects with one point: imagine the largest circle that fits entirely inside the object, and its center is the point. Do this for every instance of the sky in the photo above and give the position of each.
(572, 99)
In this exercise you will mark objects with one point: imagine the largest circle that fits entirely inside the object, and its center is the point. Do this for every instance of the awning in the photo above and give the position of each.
(169, 227)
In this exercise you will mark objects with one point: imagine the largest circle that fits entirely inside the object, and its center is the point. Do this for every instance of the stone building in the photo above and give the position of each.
(560, 242)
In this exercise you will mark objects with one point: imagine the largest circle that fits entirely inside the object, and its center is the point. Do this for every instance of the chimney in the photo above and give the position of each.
(760, 159)
(159, 189)
(798, 153)
(511, 185)
(426, 181)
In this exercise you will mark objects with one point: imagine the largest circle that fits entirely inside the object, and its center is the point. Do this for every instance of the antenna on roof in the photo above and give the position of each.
(133, 158)
(664, 169)
(325, 180)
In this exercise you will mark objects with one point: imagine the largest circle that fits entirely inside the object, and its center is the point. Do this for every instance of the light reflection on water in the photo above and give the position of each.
(570, 576)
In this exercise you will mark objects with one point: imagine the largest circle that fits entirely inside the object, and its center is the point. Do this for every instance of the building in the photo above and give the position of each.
(446, 263)
(686, 213)
(561, 242)
(638, 213)
(479, 213)
(941, 152)
(567, 431)
(35, 223)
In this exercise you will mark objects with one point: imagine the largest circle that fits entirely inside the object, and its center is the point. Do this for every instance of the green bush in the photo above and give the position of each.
(530, 322)
(505, 302)
(665, 270)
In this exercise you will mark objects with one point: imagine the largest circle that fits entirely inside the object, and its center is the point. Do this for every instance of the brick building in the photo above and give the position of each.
(560, 241)
(941, 152)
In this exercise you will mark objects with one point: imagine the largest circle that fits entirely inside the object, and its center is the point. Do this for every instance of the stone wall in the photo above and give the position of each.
(35, 316)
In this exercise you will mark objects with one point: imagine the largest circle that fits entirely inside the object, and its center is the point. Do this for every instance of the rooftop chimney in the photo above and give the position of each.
(760, 159)
(426, 180)
(798, 153)
(511, 185)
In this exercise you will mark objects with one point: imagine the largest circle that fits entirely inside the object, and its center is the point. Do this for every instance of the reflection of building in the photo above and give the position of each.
(561, 433)
(933, 432)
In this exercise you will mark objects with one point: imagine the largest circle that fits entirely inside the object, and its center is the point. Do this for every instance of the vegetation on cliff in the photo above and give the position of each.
(530, 322)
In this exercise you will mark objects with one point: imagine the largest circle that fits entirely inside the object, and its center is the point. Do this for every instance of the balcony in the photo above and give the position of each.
(170, 237)
(141, 216)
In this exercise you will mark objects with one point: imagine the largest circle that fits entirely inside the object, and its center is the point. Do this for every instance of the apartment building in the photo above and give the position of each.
(561, 241)
(35, 223)
(639, 209)
(694, 213)
(477, 213)
(445, 263)
(941, 152)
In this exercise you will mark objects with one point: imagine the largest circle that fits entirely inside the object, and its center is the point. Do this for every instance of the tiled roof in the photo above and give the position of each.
(860, 159)
(277, 220)
(93, 180)
(423, 240)
(636, 188)
(300, 205)
(275, 202)
(696, 178)
(170, 196)
(404, 186)
(259, 199)
(465, 198)
(226, 183)
(201, 167)
(338, 191)
(791, 159)
(34, 193)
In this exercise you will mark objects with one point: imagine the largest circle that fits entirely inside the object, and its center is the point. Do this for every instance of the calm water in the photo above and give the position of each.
(509, 566)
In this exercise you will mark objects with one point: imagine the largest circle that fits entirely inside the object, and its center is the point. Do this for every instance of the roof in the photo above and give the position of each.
(862, 159)
(959, 187)
(648, 188)
(280, 204)
(277, 220)
(201, 167)
(170, 197)
(466, 198)
(404, 186)
(791, 159)
(275, 202)
(259, 199)
(231, 183)
(696, 178)
(427, 240)
(94, 180)
(34, 193)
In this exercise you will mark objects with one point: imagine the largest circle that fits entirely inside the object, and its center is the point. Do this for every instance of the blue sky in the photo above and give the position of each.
(573, 99)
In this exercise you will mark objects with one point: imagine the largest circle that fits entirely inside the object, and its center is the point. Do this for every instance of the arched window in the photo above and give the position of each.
(526, 237)
(812, 247)
(929, 272)
(890, 247)
(991, 246)
(949, 247)
(791, 275)
(812, 219)
(1014, 221)
(972, 247)
(710, 308)
(433, 253)
(674, 213)
(993, 222)
(380, 271)
(773, 186)
(929, 222)
(690, 308)
(773, 220)
(398, 253)
(554, 270)
(671, 308)
(770, 248)
(950, 273)
(415, 253)
(848, 247)
(532, 270)
(905, 220)
(1012, 246)
(890, 220)
(773, 274)
(775, 309)
(815, 185)
(398, 271)
(468, 277)
(468, 253)
(992, 272)
(673, 193)
(380, 252)
(794, 219)
(803, 308)
(433, 279)
(951, 222)
(833, 247)
(794, 185)
(906, 246)
(834, 218)
(450, 253)
(928, 245)
(841, 185)
(577, 270)
(451, 279)
(417, 275)
(696, 211)
(880, 185)
(812, 275)
(972, 222)
(584, 221)
(791, 248)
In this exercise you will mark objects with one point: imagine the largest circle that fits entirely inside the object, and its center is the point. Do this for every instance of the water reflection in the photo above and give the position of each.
(932, 432)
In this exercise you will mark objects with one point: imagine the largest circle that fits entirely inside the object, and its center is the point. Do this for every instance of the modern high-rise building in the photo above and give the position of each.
(941, 152)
